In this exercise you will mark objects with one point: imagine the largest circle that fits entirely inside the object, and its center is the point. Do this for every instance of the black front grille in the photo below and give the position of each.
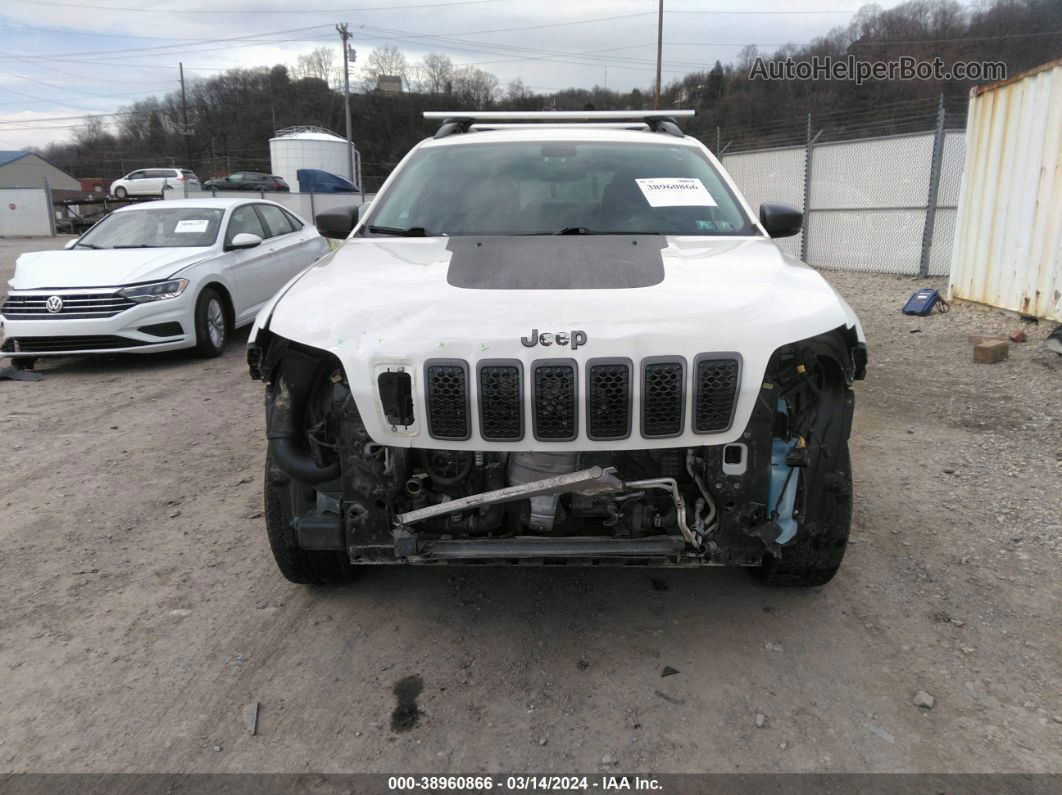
(554, 397)
(663, 394)
(55, 344)
(446, 392)
(714, 392)
(608, 399)
(501, 411)
(76, 306)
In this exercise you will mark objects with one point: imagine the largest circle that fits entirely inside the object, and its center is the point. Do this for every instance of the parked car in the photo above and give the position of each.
(314, 180)
(154, 277)
(153, 182)
(247, 180)
(566, 344)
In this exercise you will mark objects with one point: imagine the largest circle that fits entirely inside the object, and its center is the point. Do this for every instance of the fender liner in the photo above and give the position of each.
(296, 376)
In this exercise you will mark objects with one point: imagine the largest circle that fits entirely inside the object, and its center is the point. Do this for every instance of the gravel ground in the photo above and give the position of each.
(142, 609)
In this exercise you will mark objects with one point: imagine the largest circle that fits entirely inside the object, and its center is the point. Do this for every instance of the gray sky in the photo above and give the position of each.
(60, 59)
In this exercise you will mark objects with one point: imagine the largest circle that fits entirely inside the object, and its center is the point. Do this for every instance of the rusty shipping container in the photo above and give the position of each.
(1008, 233)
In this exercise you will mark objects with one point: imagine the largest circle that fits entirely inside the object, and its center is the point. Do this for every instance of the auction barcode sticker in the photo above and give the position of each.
(197, 226)
(675, 192)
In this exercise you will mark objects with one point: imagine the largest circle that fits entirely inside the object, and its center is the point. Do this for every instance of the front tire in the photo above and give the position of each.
(815, 555)
(305, 567)
(24, 362)
(211, 324)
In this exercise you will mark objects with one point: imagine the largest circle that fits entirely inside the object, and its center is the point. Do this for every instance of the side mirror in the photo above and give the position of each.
(71, 243)
(781, 220)
(244, 240)
(337, 222)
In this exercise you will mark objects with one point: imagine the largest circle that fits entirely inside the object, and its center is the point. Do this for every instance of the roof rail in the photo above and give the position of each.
(463, 121)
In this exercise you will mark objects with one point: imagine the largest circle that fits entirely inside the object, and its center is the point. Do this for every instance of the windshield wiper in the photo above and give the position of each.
(86, 245)
(409, 231)
(139, 245)
(585, 230)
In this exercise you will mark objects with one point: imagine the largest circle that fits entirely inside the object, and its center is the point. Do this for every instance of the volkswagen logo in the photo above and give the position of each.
(54, 304)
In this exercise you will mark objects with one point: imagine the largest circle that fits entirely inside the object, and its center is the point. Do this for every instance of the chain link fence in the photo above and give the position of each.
(883, 200)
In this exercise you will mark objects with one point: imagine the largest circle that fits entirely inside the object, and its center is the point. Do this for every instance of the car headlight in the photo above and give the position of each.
(160, 291)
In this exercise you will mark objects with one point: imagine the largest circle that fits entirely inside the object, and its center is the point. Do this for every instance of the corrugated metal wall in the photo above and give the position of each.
(1008, 236)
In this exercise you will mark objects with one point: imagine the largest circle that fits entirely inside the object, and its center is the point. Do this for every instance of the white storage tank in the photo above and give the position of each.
(310, 147)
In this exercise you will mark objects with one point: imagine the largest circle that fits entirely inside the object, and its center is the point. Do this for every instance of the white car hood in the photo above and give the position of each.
(83, 267)
(379, 302)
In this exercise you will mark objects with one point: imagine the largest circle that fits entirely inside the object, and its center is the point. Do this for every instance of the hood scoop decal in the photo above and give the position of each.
(556, 262)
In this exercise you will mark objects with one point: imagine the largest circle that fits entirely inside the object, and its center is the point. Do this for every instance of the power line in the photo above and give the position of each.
(158, 48)
(245, 11)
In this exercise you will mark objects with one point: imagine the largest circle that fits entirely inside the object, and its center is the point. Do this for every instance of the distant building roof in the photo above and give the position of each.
(389, 84)
(8, 156)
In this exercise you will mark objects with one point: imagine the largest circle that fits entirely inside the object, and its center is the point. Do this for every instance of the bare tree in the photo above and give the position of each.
(516, 91)
(385, 61)
(319, 63)
(746, 57)
(474, 85)
(91, 134)
(436, 73)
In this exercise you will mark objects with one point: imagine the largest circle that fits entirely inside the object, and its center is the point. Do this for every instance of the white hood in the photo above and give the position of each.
(389, 301)
(82, 267)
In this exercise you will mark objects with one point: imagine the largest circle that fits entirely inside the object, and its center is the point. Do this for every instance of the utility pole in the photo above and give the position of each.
(184, 119)
(659, 52)
(344, 35)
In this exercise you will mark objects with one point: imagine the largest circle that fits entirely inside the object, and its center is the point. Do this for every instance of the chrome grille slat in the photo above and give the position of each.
(83, 306)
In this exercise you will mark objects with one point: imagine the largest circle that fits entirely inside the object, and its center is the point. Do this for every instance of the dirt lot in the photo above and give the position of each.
(142, 609)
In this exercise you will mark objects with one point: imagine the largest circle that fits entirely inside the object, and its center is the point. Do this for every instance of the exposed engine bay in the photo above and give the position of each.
(732, 504)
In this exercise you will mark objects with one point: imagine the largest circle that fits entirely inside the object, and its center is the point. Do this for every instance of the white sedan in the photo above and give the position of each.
(156, 277)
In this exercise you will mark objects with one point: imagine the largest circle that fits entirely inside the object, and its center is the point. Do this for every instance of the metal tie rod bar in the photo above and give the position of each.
(594, 480)
(586, 481)
(557, 115)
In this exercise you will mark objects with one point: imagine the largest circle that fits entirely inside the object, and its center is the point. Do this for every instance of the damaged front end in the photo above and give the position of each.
(336, 496)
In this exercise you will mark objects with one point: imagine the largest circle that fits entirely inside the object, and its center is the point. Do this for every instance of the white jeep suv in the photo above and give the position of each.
(559, 343)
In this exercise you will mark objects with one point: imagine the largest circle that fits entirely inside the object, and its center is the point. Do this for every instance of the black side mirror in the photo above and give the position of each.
(337, 222)
(781, 220)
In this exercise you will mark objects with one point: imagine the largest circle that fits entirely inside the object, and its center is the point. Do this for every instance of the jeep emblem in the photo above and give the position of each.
(547, 338)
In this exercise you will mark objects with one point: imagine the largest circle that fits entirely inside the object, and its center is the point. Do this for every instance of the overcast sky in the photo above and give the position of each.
(60, 59)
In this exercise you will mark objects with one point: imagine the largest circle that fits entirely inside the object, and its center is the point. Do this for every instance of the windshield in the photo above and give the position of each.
(162, 227)
(559, 188)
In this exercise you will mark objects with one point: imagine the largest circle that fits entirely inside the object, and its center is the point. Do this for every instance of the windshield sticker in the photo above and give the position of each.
(675, 192)
(196, 227)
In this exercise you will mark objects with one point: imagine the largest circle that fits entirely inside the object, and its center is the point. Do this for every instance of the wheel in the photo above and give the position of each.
(298, 565)
(23, 362)
(121, 192)
(822, 537)
(211, 325)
